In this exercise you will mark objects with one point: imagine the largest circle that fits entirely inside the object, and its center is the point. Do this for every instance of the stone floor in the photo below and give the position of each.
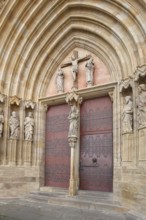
(20, 209)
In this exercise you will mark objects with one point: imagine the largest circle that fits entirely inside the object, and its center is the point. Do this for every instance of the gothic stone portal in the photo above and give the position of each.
(96, 166)
(57, 157)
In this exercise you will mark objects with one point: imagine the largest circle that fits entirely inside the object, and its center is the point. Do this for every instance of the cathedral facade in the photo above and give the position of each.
(73, 97)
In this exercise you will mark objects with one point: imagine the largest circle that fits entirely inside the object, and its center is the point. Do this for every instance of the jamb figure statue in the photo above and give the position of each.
(60, 81)
(14, 125)
(127, 117)
(1, 122)
(141, 105)
(73, 118)
(89, 72)
(29, 127)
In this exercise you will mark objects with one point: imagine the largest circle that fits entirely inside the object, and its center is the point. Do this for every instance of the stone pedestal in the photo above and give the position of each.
(12, 152)
(142, 144)
(27, 153)
(127, 147)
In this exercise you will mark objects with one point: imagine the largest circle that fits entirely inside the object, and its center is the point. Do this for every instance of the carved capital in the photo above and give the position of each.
(2, 98)
(29, 104)
(72, 140)
(15, 100)
(140, 73)
(126, 84)
(73, 97)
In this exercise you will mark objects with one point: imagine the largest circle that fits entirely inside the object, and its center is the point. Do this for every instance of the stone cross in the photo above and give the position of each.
(74, 62)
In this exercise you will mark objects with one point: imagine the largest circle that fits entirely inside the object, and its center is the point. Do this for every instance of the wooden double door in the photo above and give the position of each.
(96, 146)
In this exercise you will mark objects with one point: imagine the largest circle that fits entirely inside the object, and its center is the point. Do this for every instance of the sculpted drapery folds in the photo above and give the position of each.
(60, 81)
(127, 117)
(89, 71)
(29, 127)
(73, 119)
(141, 105)
(14, 125)
(1, 122)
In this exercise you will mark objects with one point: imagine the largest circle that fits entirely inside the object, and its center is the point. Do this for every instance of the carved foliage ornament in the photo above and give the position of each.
(140, 73)
(73, 97)
(15, 100)
(29, 104)
(126, 84)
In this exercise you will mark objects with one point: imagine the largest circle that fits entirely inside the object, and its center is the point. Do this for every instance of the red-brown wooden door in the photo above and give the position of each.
(57, 155)
(96, 145)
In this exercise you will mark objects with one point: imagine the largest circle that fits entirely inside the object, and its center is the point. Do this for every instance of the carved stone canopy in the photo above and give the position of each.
(15, 100)
(140, 73)
(126, 84)
(29, 104)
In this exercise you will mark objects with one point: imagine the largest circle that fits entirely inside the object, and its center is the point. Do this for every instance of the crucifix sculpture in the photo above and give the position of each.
(74, 62)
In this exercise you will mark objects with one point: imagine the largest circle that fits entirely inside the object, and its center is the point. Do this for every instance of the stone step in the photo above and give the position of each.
(85, 200)
(53, 189)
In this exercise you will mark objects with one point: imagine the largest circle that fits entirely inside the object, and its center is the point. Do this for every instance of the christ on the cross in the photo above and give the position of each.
(74, 62)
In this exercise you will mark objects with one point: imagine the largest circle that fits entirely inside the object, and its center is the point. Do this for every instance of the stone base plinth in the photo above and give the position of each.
(12, 152)
(73, 187)
(142, 144)
(127, 147)
(27, 153)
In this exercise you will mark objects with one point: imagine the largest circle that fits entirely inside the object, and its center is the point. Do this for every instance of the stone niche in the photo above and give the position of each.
(101, 74)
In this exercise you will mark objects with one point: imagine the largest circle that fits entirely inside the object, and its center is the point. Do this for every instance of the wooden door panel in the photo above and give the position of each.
(96, 157)
(57, 155)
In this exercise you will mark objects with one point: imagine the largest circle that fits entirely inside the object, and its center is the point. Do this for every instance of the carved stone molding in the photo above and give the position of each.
(126, 84)
(2, 98)
(140, 73)
(29, 104)
(2, 4)
(15, 100)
